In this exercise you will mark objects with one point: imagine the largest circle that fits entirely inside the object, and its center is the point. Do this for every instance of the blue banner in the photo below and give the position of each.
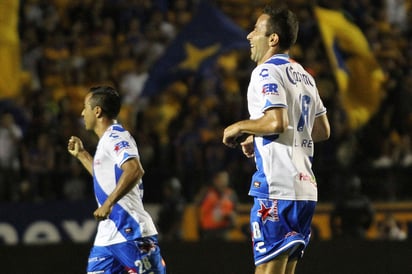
(47, 223)
(209, 34)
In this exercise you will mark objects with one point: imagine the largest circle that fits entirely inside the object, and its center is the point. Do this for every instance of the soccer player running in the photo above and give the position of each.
(287, 117)
(126, 239)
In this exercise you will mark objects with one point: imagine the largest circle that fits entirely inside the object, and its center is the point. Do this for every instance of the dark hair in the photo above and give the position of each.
(107, 98)
(284, 23)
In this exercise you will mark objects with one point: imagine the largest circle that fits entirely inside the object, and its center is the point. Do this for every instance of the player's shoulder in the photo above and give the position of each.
(116, 132)
(273, 64)
(263, 72)
(117, 128)
(279, 60)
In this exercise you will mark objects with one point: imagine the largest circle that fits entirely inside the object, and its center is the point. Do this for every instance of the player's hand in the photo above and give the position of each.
(103, 212)
(248, 148)
(75, 146)
(230, 135)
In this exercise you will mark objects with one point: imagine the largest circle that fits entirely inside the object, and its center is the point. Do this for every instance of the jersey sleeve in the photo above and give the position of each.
(320, 109)
(122, 148)
(268, 83)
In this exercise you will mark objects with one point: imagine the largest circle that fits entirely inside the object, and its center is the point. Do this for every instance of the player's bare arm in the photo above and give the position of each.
(132, 173)
(247, 147)
(321, 129)
(274, 120)
(75, 147)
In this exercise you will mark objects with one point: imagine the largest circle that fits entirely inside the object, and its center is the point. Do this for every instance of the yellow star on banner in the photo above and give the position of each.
(195, 56)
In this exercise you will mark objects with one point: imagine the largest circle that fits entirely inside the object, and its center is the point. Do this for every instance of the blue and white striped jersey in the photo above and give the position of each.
(284, 161)
(128, 219)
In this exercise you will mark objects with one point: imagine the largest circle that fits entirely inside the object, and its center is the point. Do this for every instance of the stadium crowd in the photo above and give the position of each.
(69, 46)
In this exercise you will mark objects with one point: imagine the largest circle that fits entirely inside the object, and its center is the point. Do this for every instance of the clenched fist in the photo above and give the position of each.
(75, 146)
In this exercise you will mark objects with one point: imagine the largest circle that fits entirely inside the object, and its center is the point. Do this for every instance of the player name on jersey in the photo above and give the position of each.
(304, 143)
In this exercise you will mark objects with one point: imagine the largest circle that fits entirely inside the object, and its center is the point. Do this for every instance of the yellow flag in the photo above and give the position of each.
(10, 70)
(358, 75)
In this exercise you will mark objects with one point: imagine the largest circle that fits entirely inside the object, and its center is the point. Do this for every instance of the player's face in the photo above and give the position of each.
(88, 113)
(259, 41)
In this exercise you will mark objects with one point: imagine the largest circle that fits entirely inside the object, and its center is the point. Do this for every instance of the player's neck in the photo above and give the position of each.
(102, 125)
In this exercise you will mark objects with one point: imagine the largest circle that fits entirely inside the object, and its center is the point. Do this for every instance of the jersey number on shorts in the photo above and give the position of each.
(257, 235)
(143, 265)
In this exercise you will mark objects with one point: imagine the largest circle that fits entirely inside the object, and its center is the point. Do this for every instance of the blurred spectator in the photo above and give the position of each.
(32, 52)
(68, 45)
(389, 152)
(217, 207)
(406, 154)
(188, 156)
(397, 12)
(75, 186)
(389, 229)
(11, 136)
(353, 213)
(25, 191)
(38, 162)
(171, 212)
(164, 29)
(180, 12)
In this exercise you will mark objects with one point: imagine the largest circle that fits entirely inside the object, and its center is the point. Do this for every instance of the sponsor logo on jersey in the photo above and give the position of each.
(113, 135)
(264, 73)
(297, 76)
(121, 146)
(270, 89)
(307, 178)
(256, 184)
